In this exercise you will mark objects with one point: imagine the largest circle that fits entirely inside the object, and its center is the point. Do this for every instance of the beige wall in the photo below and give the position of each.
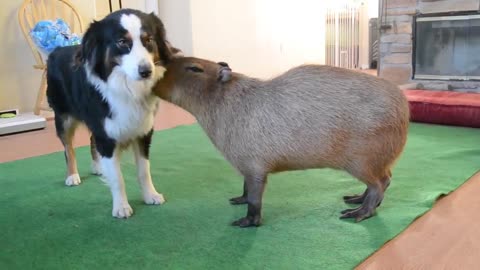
(176, 17)
(18, 80)
(250, 35)
(259, 37)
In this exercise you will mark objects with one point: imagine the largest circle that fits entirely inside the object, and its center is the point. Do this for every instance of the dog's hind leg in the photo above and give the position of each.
(141, 148)
(65, 126)
(95, 167)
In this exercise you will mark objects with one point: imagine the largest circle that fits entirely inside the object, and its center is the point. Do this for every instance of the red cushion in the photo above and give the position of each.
(444, 107)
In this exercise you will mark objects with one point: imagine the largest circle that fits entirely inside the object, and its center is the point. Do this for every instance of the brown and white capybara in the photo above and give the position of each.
(311, 116)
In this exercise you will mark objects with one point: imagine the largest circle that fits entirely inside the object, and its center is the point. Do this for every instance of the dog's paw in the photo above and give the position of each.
(153, 198)
(95, 168)
(122, 210)
(73, 180)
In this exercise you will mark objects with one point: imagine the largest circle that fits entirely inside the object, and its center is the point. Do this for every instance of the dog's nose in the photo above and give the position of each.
(145, 71)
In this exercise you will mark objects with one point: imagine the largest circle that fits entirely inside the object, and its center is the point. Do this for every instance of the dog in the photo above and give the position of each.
(106, 83)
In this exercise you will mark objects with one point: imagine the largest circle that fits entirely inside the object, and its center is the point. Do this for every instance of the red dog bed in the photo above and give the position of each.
(444, 107)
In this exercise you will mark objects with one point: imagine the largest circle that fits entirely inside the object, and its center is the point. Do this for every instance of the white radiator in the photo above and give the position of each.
(346, 41)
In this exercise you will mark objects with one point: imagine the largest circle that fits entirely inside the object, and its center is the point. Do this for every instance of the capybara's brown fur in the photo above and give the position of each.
(311, 116)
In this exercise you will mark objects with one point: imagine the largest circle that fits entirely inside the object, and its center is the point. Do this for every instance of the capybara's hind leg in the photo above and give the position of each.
(385, 182)
(373, 198)
(355, 199)
(241, 199)
(359, 198)
(255, 185)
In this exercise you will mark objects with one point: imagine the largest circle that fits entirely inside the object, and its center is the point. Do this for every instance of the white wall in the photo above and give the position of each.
(259, 37)
(102, 7)
(176, 16)
(373, 8)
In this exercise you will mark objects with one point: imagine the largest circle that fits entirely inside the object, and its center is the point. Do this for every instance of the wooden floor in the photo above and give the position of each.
(447, 237)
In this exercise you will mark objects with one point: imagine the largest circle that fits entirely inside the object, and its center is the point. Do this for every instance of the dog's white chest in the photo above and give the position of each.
(132, 105)
(130, 118)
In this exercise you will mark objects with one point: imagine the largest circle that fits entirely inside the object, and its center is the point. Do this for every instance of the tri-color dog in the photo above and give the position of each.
(106, 83)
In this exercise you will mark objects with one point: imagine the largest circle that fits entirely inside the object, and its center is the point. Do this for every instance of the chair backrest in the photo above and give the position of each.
(33, 11)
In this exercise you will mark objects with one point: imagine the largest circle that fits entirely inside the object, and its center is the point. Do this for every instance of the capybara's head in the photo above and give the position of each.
(190, 79)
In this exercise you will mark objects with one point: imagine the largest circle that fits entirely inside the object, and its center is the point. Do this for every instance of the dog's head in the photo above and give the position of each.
(128, 42)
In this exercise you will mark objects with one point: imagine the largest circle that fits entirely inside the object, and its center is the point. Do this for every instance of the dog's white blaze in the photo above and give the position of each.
(131, 101)
(111, 172)
(138, 54)
(130, 98)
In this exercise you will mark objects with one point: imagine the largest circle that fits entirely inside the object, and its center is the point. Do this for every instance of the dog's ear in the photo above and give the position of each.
(176, 52)
(89, 43)
(91, 51)
(163, 46)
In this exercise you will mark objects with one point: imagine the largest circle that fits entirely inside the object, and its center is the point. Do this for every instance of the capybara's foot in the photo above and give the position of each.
(358, 214)
(238, 200)
(248, 221)
(372, 198)
(355, 199)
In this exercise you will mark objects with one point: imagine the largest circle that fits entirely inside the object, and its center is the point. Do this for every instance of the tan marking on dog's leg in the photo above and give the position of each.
(73, 178)
(150, 194)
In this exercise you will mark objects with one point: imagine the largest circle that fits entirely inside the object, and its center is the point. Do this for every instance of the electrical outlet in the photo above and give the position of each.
(14, 111)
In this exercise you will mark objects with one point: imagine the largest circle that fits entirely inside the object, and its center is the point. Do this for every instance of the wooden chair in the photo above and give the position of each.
(33, 11)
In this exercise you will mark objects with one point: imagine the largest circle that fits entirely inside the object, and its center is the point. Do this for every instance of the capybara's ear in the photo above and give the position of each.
(225, 74)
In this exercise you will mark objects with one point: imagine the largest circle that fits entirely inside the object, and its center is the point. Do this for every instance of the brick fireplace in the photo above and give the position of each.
(431, 44)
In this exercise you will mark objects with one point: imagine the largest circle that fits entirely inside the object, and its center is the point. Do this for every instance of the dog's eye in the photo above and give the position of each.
(194, 69)
(149, 40)
(121, 42)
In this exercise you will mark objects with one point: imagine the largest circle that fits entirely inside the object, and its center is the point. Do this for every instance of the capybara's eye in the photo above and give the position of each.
(194, 69)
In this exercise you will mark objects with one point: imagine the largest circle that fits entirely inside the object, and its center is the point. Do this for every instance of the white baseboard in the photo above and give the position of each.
(22, 122)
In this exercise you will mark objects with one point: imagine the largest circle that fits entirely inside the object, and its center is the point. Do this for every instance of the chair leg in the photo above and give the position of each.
(42, 91)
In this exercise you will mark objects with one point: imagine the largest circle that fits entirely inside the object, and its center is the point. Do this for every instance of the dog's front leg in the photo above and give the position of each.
(141, 150)
(110, 166)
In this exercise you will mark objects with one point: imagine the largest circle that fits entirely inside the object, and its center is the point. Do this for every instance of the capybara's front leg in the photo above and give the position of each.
(241, 199)
(255, 185)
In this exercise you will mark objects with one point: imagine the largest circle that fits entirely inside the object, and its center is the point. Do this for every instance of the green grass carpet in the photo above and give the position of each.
(45, 225)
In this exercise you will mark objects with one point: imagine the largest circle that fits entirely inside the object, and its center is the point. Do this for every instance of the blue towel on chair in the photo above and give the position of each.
(48, 35)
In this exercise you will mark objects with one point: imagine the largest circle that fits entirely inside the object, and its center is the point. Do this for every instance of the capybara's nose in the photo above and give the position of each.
(145, 71)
